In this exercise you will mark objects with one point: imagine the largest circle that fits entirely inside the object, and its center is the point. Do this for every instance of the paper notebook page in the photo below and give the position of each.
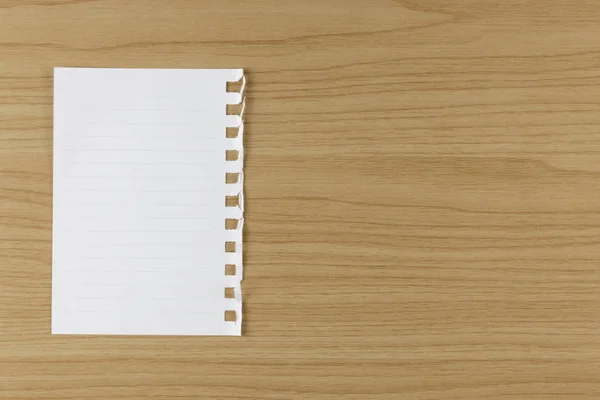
(138, 216)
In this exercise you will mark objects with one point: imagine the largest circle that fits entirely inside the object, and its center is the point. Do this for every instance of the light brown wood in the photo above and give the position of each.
(422, 190)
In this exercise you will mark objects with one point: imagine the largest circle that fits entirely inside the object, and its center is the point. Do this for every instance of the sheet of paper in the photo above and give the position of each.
(139, 216)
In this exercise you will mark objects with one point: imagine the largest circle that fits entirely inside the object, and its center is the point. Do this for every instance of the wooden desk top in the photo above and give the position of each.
(422, 190)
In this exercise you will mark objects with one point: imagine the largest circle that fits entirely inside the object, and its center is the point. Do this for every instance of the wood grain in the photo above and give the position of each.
(422, 190)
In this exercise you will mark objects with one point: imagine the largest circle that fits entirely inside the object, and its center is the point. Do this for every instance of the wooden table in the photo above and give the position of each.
(423, 199)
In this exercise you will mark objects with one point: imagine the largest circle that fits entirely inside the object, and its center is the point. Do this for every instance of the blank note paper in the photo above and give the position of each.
(148, 207)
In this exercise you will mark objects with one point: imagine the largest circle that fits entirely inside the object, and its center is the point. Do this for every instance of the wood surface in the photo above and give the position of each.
(422, 191)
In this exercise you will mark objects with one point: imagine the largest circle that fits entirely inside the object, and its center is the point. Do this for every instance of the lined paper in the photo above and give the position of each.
(139, 202)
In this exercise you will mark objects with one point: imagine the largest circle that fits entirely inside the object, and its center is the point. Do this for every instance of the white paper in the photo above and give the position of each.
(139, 202)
